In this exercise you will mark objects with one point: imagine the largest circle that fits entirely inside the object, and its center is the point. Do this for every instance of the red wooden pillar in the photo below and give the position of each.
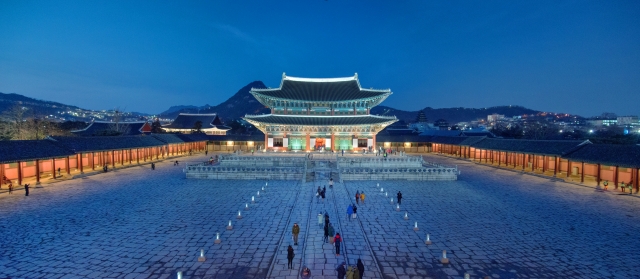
(615, 176)
(555, 167)
(524, 157)
(37, 172)
(569, 167)
(598, 174)
(80, 163)
(1, 174)
(66, 165)
(130, 156)
(138, 155)
(19, 173)
(93, 162)
(636, 171)
(121, 152)
(534, 163)
(582, 173)
(113, 158)
(544, 163)
(53, 167)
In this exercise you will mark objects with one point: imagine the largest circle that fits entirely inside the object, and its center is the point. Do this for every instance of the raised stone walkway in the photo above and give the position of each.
(139, 223)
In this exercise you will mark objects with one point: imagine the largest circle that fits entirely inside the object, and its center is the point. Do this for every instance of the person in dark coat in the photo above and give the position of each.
(326, 233)
(326, 219)
(349, 212)
(355, 211)
(360, 268)
(337, 240)
(342, 270)
(26, 189)
(153, 166)
(399, 196)
(323, 194)
(290, 256)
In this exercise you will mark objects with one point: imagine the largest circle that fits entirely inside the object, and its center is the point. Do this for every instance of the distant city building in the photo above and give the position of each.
(627, 120)
(186, 123)
(492, 118)
(600, 122)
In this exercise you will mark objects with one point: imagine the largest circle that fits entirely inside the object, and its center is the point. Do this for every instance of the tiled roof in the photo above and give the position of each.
(29, 150)
(99, 128)
(541, 147)
(442, 133)
(448, 140)
(607, 154)
(188, 121)
(168, 138)
(254, 137)
(478, 134)
(402, 138)
(320, 90)
(86, 144)
(312, 120)
(193, 137)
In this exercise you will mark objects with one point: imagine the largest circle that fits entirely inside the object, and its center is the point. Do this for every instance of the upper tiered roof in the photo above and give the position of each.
(326, 90)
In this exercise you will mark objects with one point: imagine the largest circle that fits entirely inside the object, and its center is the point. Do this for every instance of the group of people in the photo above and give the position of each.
(355, 272)
(321, 193)
(622, 186)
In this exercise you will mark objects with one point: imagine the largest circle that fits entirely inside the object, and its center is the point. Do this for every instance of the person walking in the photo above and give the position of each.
(326, 234)
(355, 212)
(622, 186)
(350, 272)
(290, 256)
(323, 194)
(26, 190)
(356, 273)
(337, 241)
(206, 152)
(10, 188)
(358, 197)
(153, 166)
(295, 231)
(332, 233)
(360, 268)
(326, 218)
(318, 194)
(606, 184)
(349, 212)
(362, 196)
(330, 182)
(399, 196)
(342, 271)
(342, 152)
(320, 219)
(630, 186)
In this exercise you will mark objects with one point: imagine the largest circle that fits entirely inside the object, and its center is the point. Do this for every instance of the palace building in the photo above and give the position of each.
(187, 123)
(320, 114)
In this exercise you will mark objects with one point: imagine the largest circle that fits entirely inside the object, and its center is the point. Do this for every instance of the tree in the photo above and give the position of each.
(197, 127)
(156, 127)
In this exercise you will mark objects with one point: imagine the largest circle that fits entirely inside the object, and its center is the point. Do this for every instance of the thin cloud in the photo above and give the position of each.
(239, 34)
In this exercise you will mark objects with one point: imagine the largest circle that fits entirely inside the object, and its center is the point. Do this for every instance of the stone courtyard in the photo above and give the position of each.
(143, 223)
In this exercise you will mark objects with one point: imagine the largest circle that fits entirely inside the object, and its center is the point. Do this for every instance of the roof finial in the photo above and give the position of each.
(356, 76)
(284, 75)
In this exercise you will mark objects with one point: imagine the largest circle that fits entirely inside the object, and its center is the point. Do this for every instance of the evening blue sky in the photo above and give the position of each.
(580, 57)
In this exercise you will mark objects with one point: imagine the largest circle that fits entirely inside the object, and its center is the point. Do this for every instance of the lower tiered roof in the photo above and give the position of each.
(317, 120)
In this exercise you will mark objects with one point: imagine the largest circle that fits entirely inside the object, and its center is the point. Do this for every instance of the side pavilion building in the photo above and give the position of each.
(320, 113)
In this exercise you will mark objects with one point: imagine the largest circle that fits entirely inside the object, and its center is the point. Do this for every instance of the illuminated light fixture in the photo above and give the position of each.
(415, 227)
(444, 259)
(201, 258)
(427, 241)
(218, 240)
(230, 227)
(229, 143)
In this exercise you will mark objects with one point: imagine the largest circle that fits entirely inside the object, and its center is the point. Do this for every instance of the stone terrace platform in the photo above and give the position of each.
(139, 223)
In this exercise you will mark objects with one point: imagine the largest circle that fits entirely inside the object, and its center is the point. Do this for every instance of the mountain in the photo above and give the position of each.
(173, 109)
(453, 115)
(235, 107)
(37, 107)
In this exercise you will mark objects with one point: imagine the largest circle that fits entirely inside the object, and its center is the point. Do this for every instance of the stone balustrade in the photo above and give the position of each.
(381, 162)
(202, 171)
(261, 161)
(440, 174)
